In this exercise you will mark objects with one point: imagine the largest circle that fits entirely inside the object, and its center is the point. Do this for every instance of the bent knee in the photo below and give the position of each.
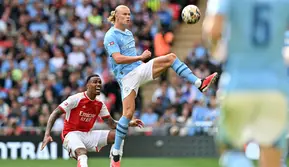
(171, 57)
(80, 151)
(111, 137)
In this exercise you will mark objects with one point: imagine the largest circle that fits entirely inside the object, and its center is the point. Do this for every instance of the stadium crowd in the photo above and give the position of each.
(48, 47)
(182, 109)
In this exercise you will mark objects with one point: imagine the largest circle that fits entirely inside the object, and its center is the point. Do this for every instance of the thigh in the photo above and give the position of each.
(96, 139)
(273, 122)
(134, 79)
(160, 64)
(237, 113)
(146, 72)
(131, 82)
(73, 141)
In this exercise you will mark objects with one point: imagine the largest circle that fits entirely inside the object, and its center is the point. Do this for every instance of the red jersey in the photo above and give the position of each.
(81, 113)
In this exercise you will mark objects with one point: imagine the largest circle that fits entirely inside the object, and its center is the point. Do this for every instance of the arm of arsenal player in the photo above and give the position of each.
(106, 117)
(110, 121)
(52, 118)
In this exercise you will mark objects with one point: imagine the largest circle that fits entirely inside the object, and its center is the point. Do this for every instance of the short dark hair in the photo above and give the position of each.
(91, 76)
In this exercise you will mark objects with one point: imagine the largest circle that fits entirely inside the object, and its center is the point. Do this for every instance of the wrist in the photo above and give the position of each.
(140, 57)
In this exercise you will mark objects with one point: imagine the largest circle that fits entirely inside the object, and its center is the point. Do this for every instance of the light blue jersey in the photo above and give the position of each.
(254, 30)
(286, 41)
(286, 45)
(123, 42)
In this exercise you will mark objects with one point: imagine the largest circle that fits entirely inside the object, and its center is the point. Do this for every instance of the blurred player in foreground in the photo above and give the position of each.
(81, 111)
(286, 57)
(254, 85)
(131, 72)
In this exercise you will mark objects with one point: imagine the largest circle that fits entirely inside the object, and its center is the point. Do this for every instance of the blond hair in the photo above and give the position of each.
(111, 18)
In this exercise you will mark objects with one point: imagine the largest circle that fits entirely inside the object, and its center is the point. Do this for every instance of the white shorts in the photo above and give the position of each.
(92, 141)
(134, 79)
(253, 116)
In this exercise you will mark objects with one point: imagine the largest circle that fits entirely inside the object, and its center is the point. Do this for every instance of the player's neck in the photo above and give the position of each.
(119, 26)
(91, 96)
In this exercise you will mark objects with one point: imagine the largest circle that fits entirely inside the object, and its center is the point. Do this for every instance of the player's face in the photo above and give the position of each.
(95, 85)
(123, 16)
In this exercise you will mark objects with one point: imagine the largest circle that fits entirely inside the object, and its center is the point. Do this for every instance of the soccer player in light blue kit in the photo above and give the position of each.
(254, 85)
(131, 72)
(286, 57)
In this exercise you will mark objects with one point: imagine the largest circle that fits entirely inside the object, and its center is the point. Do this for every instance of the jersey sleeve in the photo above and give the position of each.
(218, 7)
(110, 44)
(104, 111)
(68, 104)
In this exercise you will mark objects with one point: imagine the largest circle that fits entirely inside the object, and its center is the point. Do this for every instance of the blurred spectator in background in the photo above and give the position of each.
(162, 43)
(56, 45)
(199, 115)
(48, 48)
(4, 111)
(149, 118)
(164, 97)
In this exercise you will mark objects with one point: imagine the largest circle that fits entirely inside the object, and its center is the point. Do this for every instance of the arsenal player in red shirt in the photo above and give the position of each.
(81, 111)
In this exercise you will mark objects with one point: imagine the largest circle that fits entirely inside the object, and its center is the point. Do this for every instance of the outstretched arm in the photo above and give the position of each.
(52, 118)
(213, 27)
(217, 11)
(112, 123)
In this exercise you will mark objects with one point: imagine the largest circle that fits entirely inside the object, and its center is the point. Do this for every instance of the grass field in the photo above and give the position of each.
(127, 162)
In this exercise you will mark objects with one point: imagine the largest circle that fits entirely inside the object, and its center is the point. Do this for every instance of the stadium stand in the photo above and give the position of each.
(48, 47)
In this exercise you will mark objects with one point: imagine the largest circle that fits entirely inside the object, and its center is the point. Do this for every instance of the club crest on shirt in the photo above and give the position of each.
(126, 89)
(110, 43)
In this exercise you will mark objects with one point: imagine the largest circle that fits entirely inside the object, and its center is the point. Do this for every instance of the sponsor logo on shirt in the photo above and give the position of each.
(86, 117)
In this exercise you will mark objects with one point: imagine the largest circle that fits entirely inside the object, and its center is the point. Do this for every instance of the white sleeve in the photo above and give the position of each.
(104, 111)
(68, 104)
(217, 7)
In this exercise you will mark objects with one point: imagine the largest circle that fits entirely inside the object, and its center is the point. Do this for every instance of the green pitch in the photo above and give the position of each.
(127, 162)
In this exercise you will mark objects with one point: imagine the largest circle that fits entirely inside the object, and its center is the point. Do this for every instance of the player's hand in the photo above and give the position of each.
(145, 55)
(136, 122)
(46, 140)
